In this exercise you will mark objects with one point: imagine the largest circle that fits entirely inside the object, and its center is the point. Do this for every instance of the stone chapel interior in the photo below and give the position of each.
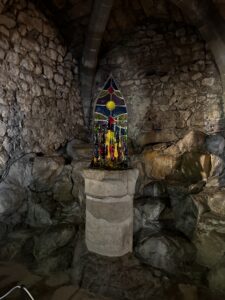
(112, 149)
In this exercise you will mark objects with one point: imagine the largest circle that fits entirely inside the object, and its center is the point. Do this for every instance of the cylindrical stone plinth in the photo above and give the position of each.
(109, 211)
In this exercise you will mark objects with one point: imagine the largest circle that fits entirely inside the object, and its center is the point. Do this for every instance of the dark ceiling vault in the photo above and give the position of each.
(72, 18)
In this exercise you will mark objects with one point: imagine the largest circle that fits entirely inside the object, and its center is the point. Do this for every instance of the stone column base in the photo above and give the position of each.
(109, 211)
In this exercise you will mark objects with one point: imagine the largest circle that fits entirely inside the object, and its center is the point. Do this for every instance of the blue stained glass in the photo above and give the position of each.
(103, 110)
(119, 110)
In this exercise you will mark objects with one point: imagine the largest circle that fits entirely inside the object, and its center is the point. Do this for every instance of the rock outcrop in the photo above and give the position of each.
(185, 199)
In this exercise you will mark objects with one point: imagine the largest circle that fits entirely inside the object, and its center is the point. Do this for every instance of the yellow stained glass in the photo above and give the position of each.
(111, 105)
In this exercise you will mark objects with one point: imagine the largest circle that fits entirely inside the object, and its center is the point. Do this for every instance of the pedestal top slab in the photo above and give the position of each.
(104, 183)
(100, 174)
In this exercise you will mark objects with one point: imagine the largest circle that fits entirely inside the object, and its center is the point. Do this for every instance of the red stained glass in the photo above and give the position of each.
(110, 90)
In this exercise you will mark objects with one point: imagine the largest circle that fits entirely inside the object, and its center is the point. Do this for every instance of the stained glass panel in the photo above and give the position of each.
(110, 128)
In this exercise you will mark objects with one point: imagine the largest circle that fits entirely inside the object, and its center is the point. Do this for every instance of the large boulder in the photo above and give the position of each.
(37, 216)
(216, 202)
(216, 277)
(155, 189)
(3, 161)
(195, 166)
(173, 150)
(11, 247)
(187, 160)
(20, 172)
(153, 137)
(215, 144)
(158, 165)
(70, 213)
(209, 240)
(210, 246)
(151, 210)
(166, 252)
(194, 141)
(216, 181)
(186, 208)
(62, 189)
(217, 165)
(52, 239)
(79, 150)
(138, 222)
(46, 171)
(12, 203)
(137, 163)
(13, 194)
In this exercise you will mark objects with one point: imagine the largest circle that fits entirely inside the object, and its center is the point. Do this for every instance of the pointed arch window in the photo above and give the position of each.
(110, 128)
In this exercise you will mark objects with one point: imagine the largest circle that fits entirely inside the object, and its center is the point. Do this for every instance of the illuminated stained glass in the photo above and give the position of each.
(110, 129)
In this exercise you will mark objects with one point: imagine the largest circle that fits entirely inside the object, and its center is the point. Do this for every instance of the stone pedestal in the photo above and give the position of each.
(109, 211)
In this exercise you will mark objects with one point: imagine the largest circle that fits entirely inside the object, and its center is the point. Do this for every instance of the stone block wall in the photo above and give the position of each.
(169, 80)
(40, 106)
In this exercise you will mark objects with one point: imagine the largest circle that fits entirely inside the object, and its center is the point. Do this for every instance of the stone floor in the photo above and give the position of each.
(56, 287)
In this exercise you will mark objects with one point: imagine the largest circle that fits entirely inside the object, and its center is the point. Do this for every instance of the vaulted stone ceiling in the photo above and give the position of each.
(72, 18)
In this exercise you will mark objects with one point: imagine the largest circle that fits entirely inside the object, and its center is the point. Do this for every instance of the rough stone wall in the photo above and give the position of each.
(40, 106)
(170, 82)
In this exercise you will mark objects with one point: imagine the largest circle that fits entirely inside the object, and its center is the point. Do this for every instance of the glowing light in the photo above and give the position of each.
(111, 105)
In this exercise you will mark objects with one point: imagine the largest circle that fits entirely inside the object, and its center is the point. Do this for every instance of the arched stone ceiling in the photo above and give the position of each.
(72, 18)
(125, 15)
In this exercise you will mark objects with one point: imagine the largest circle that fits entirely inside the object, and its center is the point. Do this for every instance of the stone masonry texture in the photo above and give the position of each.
(40, 106)
(169, 80)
